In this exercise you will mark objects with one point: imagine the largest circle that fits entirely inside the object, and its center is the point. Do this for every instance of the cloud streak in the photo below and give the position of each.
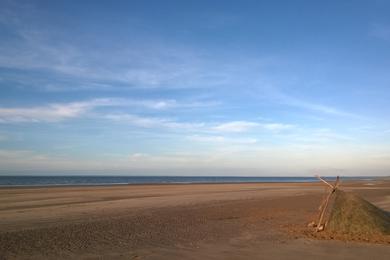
(52, 112)
(62, 111)
(218, 139)
(129, 66)
(245, 126)
(154, 122)
(278, 96)
(235, 126)
(232, 127)
(150, 63)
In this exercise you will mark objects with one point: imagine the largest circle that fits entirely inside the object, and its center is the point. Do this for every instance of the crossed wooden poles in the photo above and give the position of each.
(325, 202)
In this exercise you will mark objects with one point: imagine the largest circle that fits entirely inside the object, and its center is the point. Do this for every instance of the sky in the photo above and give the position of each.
(243, 88)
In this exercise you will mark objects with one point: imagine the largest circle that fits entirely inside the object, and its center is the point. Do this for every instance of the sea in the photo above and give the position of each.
(7, 181)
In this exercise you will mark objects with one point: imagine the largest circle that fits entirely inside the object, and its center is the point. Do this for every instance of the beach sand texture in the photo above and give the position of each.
(187, 221)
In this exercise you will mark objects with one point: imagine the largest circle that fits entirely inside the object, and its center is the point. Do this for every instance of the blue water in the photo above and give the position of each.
(115, 180)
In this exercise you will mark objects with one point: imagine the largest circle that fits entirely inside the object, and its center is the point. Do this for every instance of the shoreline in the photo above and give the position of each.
(145, 184)
(312, 180)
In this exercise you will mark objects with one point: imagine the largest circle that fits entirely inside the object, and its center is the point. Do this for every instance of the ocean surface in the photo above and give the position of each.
(117, 180)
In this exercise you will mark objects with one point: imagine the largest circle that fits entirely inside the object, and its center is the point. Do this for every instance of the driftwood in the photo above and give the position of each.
(324, 205)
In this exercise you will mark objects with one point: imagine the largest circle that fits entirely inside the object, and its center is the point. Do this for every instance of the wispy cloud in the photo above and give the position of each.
(154, 122)
(52, 112)
(18, 154)
(261, 161)
(129, 66)
(277, 127)
(49, 113)
(170, 104)
(61, 111)
(317, 138)
(218, 139)
(244, 126)
(235, 126)
(92, 108)
(29, 160)
(150, 62)
(291, 101)
(328, 134)
(278, 96)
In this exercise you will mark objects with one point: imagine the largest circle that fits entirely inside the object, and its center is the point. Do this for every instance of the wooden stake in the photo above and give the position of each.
(319, 226)
(324, 181)
(323, 207)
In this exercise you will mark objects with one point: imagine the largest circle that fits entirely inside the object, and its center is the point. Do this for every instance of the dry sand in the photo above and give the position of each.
(202, 221)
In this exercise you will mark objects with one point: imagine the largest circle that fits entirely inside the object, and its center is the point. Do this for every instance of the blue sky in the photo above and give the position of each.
(195, 87)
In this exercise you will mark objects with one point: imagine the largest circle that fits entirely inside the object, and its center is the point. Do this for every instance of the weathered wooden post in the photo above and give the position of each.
(325, 203)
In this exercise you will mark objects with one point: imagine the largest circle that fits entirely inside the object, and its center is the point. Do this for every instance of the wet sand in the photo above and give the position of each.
(200, 221)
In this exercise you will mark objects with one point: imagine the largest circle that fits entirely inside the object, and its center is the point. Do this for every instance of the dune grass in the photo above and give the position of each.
(352, 215)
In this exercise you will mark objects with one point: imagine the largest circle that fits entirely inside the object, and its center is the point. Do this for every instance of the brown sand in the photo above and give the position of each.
(213, 221)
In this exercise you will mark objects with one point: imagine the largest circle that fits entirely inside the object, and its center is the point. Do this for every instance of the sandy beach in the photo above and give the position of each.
(181, 221)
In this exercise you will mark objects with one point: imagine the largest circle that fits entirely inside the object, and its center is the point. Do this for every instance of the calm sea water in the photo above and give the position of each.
(112, 180)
